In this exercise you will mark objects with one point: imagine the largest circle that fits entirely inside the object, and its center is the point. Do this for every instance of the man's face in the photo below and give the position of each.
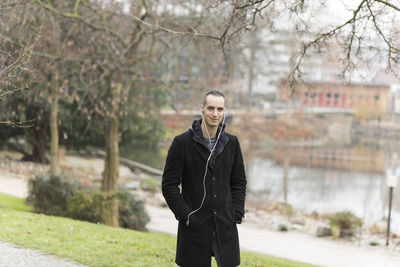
(213, 110)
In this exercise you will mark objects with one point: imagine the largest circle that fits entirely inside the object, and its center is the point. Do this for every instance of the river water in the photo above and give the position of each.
(322, 190)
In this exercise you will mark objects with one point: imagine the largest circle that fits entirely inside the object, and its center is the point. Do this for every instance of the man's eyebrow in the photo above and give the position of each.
(214, 107)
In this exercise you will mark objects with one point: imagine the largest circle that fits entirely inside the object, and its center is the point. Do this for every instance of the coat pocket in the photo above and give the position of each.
(233, 214)
(192, 220)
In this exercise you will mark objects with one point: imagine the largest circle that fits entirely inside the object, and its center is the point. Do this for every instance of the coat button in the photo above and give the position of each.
(213, 178)
(215, 195)
(215, 213)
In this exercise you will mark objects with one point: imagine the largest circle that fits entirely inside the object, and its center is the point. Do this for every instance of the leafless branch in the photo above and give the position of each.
(388, 43)
(258, 11)
(2, 94)
(295, 72)
(170, 31)
(20, 124)
(388, 4)
(4, 72)
(81, 19)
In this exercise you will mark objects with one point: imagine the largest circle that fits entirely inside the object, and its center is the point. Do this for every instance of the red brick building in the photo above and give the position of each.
(337, 96)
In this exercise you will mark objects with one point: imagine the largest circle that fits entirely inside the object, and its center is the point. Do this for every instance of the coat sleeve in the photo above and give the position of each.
(238, 184)
(171, 180)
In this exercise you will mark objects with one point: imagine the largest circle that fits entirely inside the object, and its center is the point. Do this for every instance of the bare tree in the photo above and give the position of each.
(14, 55)
(369, 32)
(114, 46)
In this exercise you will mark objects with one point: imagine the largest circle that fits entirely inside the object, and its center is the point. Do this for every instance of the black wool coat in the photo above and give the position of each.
(223, 205)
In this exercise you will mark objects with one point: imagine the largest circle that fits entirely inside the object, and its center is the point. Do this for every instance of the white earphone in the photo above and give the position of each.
(205, 172)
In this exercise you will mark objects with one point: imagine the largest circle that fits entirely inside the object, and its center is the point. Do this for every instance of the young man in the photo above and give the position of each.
(207, 162)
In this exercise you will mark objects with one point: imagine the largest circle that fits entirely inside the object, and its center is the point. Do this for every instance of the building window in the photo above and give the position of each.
(376, 97)
(306, 93)
(328, 95)
(336, 95)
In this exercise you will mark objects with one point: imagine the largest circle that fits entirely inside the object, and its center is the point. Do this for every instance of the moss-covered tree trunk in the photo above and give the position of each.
(111, 164)
(54, 159)
(39, 146)
(37, 136)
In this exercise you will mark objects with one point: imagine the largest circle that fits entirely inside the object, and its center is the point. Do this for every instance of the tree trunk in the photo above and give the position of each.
(251, 77)
(54, 159)
(37, 137)
(39, 149)
(111, 164)
(286, 166)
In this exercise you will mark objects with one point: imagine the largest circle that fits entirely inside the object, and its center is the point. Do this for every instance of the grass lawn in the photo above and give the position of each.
(97, 245)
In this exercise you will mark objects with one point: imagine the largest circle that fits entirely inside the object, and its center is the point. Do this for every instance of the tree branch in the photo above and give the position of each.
(388, 4)
(391, 49)
(4, 71)
(49, 7)
(251, 3)
(167, 30)
(320, 37)
(19, 124)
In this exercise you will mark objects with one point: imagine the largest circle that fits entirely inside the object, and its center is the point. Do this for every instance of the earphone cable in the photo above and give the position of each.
(205, 173)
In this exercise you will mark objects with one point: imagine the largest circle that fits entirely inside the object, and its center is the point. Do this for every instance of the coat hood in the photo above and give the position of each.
(199, 138)
(198, 133)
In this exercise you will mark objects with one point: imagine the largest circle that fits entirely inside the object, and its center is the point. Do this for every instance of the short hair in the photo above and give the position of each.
(213, 92)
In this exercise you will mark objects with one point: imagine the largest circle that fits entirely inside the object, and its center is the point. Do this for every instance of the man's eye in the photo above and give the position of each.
(210, 108)
(220, 109)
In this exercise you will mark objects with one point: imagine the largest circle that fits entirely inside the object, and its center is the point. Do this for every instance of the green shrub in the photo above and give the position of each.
(132, 213)
(87, 205)
(347, 223)
(63, 196)
(283, 227)
(49, 193)
(324, 231)
(149, 185)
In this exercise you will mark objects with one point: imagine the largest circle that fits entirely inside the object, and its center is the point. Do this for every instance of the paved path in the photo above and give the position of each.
(15, 256)
(290, 245)
(13, 186)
